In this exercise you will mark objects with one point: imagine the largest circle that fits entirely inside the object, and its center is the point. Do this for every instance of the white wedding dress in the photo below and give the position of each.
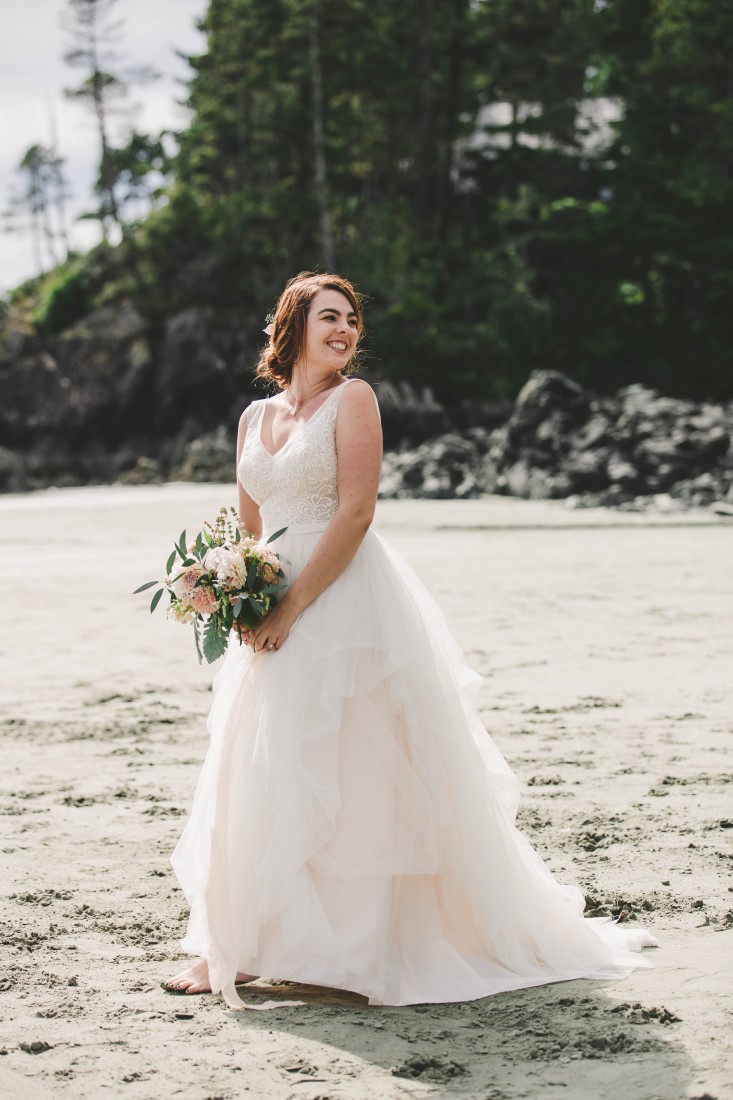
(353, 821)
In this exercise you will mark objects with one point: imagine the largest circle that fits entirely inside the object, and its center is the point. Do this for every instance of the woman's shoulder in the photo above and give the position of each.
(252, 408)
(360, 392)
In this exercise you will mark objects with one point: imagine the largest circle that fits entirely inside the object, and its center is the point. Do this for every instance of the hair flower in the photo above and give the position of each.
(268, 330)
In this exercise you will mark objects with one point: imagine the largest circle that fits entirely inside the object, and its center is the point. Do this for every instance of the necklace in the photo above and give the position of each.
(294, 410)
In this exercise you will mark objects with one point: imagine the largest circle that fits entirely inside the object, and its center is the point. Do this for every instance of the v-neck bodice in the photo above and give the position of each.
(301, 424)
(298, 483)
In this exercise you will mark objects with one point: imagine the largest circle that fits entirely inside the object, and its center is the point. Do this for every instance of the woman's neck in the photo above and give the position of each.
(301, 388)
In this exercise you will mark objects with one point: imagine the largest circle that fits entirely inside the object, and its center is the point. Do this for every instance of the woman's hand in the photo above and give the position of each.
(243, 632)
(274, 628)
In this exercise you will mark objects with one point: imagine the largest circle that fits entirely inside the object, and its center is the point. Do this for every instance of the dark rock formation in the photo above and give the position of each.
(632, 450)
(110, 399)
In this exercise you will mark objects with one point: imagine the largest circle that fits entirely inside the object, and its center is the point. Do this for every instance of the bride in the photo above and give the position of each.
(353, 821)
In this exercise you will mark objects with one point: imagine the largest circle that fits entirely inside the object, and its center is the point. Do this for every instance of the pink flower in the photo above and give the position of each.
(183, 585)
(203, 601)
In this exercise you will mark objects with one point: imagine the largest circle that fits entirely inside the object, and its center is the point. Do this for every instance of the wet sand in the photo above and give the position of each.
(605, 640)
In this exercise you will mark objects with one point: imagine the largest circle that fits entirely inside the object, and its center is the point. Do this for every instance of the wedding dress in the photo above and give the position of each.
(353, 821)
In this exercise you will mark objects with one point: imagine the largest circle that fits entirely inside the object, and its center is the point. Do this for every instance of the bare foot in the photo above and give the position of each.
(196, 979)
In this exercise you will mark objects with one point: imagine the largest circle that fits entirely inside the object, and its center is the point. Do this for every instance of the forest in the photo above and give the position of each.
(512, 184)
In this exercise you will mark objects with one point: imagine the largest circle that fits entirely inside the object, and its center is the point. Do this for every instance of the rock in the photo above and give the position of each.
(441, 468)
(12, 471)
(622, 473)
(188, 363)
(137, 375)
(209, 458)
(409, 415)
(548, 394)
(634, 450)
(595, 432)
(146, 471)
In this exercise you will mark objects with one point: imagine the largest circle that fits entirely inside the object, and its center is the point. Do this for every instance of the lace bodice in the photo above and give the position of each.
(296, 485)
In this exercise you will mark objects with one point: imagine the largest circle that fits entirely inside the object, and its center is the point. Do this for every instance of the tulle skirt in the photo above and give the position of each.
(353, 821)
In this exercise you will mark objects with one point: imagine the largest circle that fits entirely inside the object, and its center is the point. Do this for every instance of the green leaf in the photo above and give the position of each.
(256, 606)
(188, 562)
(144, 587)
(252, 575)
(199, 544)
(272, 589)
(156, 600)
(248, 617)
(277, 535)
(215, 639)
(169, 563)
(237, 607)
(237, 535)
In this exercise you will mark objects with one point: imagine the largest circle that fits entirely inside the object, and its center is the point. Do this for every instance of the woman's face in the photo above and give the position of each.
(331, 332)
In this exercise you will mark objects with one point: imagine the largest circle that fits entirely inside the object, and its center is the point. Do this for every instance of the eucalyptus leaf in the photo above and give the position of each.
(196, 639)
(144, 587)
(273, 589)
(169, 563)
(277, 535)
(156, 600)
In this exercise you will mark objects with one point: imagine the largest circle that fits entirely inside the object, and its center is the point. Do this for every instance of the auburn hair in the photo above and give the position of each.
(287, 340)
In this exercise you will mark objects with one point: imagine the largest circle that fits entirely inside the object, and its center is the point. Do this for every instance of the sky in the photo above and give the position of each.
(33, 75)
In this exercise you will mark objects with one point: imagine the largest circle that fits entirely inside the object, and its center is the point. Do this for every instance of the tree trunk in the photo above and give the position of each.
(426, 184)
(452, 113)
(319, 141)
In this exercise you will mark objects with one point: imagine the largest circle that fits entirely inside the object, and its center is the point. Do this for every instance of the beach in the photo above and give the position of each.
(605, 641)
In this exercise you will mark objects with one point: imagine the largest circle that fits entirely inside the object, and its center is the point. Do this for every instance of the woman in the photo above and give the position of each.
(353, 823)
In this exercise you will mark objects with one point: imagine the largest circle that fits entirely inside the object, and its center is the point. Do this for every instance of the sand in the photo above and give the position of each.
(605, 639)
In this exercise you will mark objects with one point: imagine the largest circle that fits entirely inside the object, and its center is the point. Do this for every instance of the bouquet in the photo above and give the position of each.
(224, 577)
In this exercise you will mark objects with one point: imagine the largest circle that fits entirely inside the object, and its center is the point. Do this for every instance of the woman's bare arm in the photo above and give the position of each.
(249, 512)
(359, 450)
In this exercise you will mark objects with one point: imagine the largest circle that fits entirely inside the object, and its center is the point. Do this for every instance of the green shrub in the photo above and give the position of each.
(66, 299)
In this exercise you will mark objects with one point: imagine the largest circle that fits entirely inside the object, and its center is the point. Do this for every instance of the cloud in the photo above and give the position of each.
(32, 78)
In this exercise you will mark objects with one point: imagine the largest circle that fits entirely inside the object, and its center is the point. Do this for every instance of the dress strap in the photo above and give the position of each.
(258, 408)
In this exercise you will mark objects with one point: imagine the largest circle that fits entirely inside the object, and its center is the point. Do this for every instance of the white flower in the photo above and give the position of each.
(229, 566)
(181, 612)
